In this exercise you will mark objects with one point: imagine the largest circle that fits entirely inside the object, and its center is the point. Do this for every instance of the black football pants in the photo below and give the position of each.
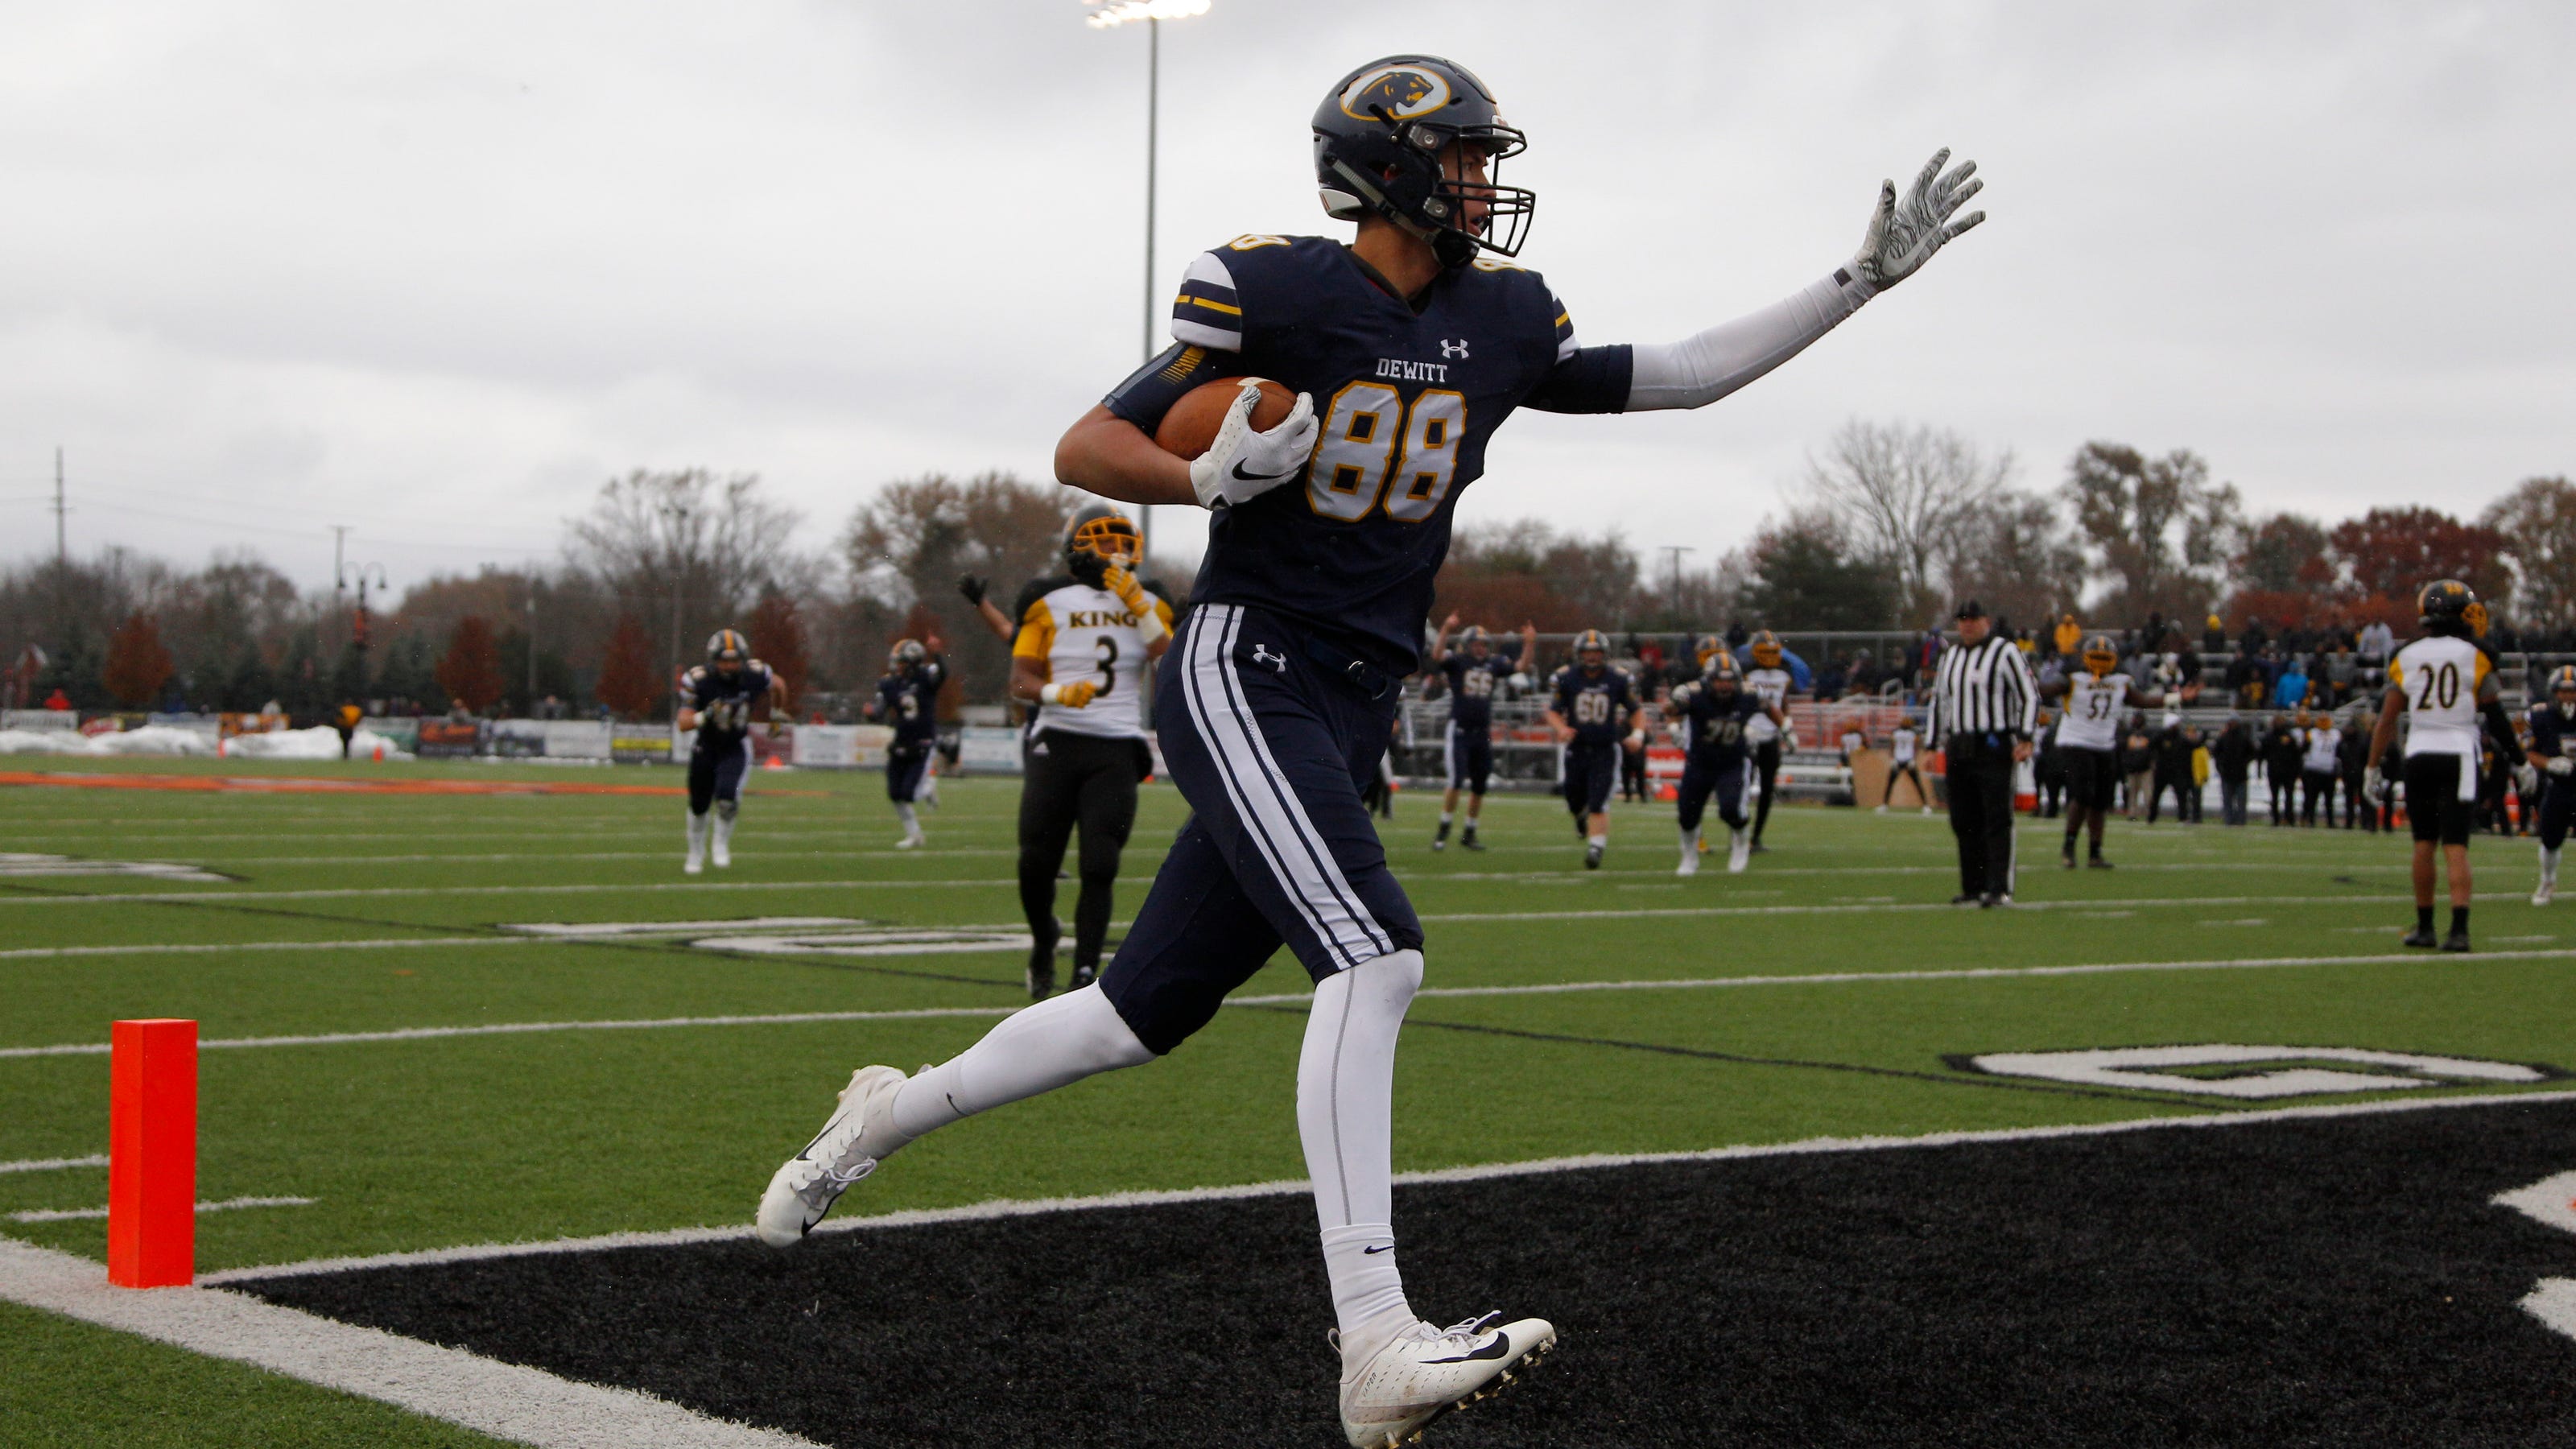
(1077, 780)
(1766, 769)
(1981, 812)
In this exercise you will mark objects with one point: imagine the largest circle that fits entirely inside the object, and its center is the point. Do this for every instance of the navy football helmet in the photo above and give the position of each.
(1378, 139)
(727, 646)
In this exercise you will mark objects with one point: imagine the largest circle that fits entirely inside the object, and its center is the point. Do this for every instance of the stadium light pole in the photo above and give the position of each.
(1109, 15)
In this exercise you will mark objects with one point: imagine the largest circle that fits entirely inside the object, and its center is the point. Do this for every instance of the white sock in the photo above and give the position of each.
(911, 821)
(1037, 1049)
(2549, 865)
(1596, 840)
(1346, 1121)
(697, 833)
(724, 829)
(1690, 842)
(1446, 817)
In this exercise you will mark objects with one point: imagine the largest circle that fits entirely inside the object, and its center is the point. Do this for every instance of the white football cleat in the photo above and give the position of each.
(2541, 897)
(694, 865)
(1690, 862)
(1739, 852)
(1424, 1372)
(912, 842)
(721, 855)
(860, 1135)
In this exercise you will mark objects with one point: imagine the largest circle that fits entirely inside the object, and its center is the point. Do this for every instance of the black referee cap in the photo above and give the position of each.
(1970, 610)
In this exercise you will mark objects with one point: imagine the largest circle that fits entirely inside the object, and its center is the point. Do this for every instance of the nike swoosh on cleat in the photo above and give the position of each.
(1242, 476)
(1501, 1347)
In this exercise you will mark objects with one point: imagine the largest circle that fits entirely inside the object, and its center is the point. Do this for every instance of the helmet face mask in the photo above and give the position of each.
(2100, 656)
(2562, 688)
(1709, 647)
(1592, 650)
(726, 651)
(1476, 641)
(1766, 650)
(1417, 140)
(1721, 674)
(905, 654)
(1097, 528)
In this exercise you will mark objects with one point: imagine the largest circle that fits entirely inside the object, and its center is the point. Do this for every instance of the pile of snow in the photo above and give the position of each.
(318, 743)
(170, 741)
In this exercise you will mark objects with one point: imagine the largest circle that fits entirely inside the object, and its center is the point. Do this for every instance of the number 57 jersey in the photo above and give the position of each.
(1407, 392)
(1085, 633)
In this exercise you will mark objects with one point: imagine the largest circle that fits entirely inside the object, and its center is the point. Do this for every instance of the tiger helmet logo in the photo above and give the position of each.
(1402, 91)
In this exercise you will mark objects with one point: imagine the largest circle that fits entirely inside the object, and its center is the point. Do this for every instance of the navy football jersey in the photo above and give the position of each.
(1473, 683)
(1407, 394)
(1718, 722)
(910, 702)
(2553, 734)
(1597, 705)
(724, 701)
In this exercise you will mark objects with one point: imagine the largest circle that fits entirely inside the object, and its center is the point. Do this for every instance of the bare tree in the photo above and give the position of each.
(687, 552)
(2538, 521)
(1901, 493)
(906, 547)
(2018, 557)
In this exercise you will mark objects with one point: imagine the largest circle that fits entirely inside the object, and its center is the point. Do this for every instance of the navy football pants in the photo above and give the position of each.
(906, 761)
(1724, 779)
(1591, 771)
(716, 771)
(1271, 752)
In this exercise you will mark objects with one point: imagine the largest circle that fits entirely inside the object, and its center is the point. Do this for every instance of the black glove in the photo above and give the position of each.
(972, 587)
(1087, 568)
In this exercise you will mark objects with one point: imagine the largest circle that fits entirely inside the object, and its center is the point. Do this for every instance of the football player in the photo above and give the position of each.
(1080, 658)
(1770, 732)
(1407, 348)
(2552, 751)
(2088, 739)
(1715, 711)
(716, 699)
(1473, 677)
(2443, 684)
(1589, 705)
(908, 698)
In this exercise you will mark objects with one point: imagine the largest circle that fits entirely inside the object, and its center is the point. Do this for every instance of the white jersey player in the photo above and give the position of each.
(2443, 684)
(2088, 742)
(1768, 682)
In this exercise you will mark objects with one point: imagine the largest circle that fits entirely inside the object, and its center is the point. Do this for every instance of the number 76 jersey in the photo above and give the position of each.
(1085, 633)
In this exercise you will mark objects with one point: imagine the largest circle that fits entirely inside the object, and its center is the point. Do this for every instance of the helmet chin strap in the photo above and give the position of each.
(1453, 248)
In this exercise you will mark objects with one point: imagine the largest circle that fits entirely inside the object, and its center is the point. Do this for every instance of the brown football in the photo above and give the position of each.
(1190, 427)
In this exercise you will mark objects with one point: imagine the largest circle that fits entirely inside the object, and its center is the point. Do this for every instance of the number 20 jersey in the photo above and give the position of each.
(2441, 675)
(1406, 400)
(1087, 633)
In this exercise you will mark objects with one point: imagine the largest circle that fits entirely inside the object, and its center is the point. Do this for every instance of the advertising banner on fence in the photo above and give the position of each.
(988, 750)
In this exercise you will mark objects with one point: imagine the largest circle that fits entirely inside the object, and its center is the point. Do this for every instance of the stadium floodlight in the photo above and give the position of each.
(1109, 15)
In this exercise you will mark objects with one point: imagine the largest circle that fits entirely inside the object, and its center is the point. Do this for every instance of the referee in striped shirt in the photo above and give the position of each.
(1984, 704)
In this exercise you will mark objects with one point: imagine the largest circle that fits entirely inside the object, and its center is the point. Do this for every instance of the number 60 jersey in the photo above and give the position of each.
(1086, 633)
(1407, 391)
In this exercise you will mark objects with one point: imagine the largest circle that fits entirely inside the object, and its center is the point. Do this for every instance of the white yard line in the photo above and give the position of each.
(1031, 1207)
(65, 1215)
(1687, 983)
(380, 943)
(521, 1405)
(53, 1164)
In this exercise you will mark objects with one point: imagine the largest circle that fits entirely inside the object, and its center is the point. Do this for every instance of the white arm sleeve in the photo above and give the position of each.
(1698, 371)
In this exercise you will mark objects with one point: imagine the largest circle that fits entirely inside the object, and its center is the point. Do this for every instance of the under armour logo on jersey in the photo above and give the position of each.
(1453, 349)
(1261, 655)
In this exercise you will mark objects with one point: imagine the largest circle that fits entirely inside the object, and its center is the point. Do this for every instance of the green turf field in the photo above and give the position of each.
(1766, 1007)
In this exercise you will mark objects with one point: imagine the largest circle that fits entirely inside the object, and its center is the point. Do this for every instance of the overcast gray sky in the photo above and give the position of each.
(436, 272)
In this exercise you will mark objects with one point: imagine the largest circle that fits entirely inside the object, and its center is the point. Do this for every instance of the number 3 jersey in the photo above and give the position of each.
(1407, 394)
(2093, 708)
(1080, 632)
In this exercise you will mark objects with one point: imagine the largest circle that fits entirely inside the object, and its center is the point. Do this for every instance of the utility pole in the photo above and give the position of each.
(62, 555)
(1676, 550)
(532, 644)
(339, 555)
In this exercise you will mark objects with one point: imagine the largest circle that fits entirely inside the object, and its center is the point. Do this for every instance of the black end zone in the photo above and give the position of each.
(2326, 1282)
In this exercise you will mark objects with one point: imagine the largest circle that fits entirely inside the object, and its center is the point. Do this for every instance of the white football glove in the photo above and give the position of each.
(1242, 464)
(1903, 235)
(2374, 786)
(2561, 765)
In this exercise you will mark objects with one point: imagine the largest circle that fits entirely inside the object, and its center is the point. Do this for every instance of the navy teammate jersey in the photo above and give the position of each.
(2553, 734)
(910, 702)
(1597, 705)
(1407, 393)
(1717, 722)
(724, 701)
(1473, 683)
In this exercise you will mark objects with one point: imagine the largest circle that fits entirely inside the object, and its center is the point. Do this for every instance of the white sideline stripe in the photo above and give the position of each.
(1033, 1207)
(64, 1215)
(1684, 983)
(379, 943)
(522, 1405)
(52, 1164)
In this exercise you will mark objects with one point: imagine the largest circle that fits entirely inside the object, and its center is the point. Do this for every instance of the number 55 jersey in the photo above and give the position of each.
(1407, 392)
(1080, 632)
